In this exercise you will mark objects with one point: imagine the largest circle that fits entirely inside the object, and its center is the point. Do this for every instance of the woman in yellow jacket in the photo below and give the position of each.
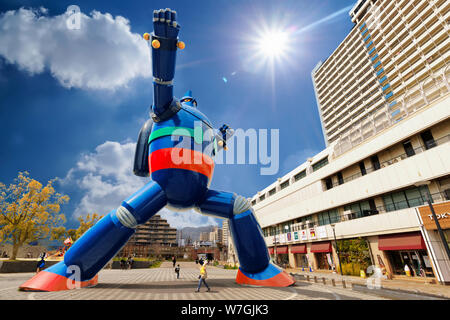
(202, 277)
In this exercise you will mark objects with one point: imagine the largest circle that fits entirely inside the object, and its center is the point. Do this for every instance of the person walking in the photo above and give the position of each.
(177, 271)
(174, 261)
(202, 277)
(130, 262)
(41, 263)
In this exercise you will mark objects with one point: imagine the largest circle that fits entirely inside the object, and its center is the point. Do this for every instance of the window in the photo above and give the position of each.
(261, 198)
(362, 167)
(284, 184)
(272, 192)
(328, 183)
(414, 197)
(340, 178)
(375, 162)
(409, 198)
(253, 202)
(323, 218)
(408, 148)
(300, 175)
(320, 164)
(428, 139)
(399, 200)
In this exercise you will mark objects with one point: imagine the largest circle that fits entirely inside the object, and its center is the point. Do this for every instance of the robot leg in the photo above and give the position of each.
(90, 253)
(255, 267)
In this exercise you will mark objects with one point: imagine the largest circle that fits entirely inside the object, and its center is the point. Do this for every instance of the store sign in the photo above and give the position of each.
(442, 211)
(296, 235)
(289, 237)
(303, 235)
(312, 233)
(321, 232)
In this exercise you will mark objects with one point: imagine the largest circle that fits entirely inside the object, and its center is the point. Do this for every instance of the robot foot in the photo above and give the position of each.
(56, 278)
(272, 276)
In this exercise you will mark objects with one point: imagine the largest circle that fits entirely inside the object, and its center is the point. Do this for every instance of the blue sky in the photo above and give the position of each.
(71, 106)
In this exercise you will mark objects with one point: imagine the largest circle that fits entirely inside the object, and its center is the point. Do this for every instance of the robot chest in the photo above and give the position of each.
(181, 148)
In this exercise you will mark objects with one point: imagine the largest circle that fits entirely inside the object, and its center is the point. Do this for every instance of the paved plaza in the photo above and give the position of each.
(162, 284)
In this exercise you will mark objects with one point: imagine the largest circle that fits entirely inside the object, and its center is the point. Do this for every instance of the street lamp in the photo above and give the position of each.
(337, 250)
(433, 213)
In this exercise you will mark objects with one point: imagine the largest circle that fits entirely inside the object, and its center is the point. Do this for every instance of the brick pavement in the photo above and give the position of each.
(161, 284)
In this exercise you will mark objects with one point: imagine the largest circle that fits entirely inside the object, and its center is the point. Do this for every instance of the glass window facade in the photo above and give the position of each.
(319, 164)
(408, 198)
(300, 175)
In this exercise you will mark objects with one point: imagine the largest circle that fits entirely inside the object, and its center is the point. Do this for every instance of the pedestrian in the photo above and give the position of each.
(41, 263)
(123, 263)
(177, 271)
(196, 260)
(202, 277)
(174, 261)
(130, 262)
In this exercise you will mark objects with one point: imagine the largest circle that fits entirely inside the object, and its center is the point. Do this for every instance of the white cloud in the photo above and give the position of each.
(102, 54)
(106, 179)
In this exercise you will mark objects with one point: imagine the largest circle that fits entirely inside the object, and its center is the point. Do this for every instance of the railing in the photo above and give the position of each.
(430, 89)
(429, 145)
(351, 215)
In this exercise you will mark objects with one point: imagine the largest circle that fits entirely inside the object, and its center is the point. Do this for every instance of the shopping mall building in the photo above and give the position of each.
(384, 104)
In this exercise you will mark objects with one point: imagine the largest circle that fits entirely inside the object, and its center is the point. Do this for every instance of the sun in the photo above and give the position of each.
(273, 43)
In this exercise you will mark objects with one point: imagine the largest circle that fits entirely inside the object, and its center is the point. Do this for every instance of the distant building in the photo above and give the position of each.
(156, 232)
(225, 232)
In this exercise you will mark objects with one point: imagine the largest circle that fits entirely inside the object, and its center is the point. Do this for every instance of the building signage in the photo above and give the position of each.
(312, 233)
(322, 232)
(303, 235)
(442, 211)
(295, 235)
(289, 237)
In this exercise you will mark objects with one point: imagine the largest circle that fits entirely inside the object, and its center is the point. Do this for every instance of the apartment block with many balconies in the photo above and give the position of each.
(383, 97)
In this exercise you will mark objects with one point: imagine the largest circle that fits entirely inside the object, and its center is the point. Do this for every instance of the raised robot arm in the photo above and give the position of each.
(164, 43)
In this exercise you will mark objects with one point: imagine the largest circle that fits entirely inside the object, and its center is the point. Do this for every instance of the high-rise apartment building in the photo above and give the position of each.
(396, 51)
(384, 101)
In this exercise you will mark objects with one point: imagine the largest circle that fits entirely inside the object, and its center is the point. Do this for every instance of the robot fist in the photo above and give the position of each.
(165, 23)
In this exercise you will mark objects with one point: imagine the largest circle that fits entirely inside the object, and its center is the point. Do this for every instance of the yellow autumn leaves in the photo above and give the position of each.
(30, 211)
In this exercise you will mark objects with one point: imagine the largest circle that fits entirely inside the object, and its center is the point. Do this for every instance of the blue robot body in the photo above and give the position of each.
(181, 157)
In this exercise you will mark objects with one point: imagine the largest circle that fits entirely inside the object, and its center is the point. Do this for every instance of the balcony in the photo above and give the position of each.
(397, 217)
(394, 160)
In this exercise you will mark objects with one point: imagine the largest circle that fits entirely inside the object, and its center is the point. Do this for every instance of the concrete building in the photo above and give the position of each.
(383, 97)
(156, 232)
(225, 233)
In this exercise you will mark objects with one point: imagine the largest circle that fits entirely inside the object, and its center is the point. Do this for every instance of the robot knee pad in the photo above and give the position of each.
(241, 205)
(126, 218)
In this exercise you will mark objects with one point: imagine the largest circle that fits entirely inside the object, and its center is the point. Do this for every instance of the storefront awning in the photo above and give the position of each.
(282, 249)
(401, 241)
(321, 247)
(298, 248)
(270, 250)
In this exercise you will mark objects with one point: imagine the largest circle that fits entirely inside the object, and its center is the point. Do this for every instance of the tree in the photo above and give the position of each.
(86, 223)
(28, 211)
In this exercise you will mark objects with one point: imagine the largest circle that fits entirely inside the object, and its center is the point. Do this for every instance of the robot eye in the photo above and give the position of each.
(187, 100)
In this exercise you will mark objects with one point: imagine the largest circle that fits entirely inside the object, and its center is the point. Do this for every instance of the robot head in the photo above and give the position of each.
(188, 99)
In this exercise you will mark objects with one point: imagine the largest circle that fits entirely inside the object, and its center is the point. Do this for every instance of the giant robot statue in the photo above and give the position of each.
(176, 148)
